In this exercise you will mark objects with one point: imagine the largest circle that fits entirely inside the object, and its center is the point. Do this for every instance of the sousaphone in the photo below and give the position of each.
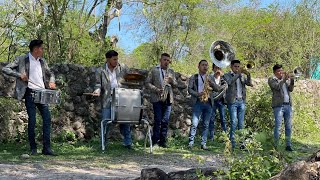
(221, 54)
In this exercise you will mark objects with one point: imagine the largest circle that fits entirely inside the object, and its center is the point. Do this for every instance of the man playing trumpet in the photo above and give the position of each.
(200, 88)
(237, 81)
(160, 81)
(281, 85)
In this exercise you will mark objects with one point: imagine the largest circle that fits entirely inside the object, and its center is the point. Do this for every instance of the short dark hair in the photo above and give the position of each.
(165, 54)
(276, 67)
(35, 43)
(111, 53)
(235, 61)
(203, 60)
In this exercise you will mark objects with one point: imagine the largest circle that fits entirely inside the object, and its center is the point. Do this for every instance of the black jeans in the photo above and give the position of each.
(46, 117)
(161, 120)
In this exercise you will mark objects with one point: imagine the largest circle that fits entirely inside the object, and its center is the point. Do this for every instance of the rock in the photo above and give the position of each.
(25, 156)
(68, 106)
(38, 166)
(76, 125)
(191, 174)
(79, 134)
(188, 122)
(153, 174)
(315, 157)
(300, 170)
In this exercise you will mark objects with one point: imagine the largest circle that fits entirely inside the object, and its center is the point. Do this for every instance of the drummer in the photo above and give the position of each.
(30, 71)
(109, 77)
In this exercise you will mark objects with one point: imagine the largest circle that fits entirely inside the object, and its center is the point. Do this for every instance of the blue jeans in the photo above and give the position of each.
(203, 110)
(161, 112)
(236, 111)
(284, 111)
(124, 128)
(46, 122)
(220, 106)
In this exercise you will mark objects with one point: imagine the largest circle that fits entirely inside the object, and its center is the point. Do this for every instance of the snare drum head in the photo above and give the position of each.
(126, 105)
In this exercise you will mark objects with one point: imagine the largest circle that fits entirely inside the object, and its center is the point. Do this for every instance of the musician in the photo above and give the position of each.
(218, 103)
(108, 77)
(161, 79)
(237, 79)
(33, 73)
(196, 89)
(282, 85)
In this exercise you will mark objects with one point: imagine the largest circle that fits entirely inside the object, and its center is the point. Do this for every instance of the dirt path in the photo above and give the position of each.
(124, 168)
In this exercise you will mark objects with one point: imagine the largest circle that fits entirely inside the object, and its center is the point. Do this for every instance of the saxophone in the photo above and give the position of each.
(207, 89)
(166, 88)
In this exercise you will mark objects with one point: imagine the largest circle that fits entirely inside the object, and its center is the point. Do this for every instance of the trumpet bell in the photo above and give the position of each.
(250, 65)
(297, 72)
(221, 53)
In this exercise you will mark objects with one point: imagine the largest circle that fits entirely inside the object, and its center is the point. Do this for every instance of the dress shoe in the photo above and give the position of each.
(289, 148)
(34, 152)
(128, 147)
(163, 145)
(204, 147)
(48, 152)
(242, 147)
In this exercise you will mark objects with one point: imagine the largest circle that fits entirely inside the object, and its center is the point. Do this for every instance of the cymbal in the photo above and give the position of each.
(134, 77)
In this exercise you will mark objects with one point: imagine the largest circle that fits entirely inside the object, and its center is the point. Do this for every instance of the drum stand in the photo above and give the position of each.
(106, 122)
(133, 81)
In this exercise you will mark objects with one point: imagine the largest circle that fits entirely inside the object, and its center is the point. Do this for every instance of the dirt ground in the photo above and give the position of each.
(122, 168)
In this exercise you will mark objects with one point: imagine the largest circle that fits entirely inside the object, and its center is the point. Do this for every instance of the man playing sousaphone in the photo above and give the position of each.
(108, 77)
(200, 88)
(33, 73)
(218, 101)
(237, 81)
(161, 79)
(282, 85)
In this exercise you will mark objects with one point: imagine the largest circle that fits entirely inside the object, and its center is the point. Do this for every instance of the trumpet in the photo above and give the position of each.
(250, 64)
(296, 72)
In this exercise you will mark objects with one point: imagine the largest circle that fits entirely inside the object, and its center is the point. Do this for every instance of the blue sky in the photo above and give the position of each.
(128, 40)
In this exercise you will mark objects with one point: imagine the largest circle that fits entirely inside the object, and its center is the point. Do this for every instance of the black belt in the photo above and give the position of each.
(29, 91)
(286, 103)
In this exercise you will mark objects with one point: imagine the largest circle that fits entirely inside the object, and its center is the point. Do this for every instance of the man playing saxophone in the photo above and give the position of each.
(200, 88)
(237, 80)
(160, 81)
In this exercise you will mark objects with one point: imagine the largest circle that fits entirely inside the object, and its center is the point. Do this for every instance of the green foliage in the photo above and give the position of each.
(7, 107)
(65, 136)
(147, 55)
(265, 35)
(253, 162)
(259, 114)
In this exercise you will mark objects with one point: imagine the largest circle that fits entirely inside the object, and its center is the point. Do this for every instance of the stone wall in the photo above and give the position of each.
(80, 113)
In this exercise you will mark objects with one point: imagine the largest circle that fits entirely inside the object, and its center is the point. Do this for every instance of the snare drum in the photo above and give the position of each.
(126, 105)
(46, 96)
